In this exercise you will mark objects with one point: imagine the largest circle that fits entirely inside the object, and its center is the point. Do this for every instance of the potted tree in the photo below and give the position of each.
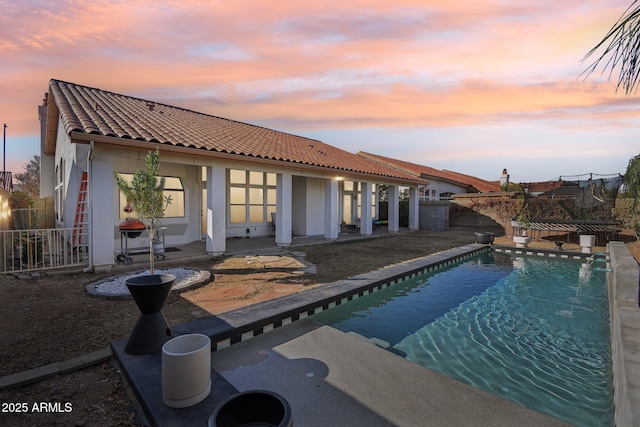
(146, 196)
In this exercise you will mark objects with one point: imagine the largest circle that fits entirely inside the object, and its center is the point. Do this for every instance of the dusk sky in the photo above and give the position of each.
(468, 86)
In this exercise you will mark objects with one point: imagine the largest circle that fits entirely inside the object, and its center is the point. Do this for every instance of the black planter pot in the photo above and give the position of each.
(484, 237)
(253, 408)
(151, 330)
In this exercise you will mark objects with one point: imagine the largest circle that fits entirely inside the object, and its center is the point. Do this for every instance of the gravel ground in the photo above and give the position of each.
(116, 286)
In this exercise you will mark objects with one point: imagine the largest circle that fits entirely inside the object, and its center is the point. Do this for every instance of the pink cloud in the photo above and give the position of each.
(305, 65)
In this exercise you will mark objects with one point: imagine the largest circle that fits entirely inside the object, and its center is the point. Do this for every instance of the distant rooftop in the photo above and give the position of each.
(427, 173)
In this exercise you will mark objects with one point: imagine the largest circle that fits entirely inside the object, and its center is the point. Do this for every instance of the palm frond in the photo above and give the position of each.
(620, 49)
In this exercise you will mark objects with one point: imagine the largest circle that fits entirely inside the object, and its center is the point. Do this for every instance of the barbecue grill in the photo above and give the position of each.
(132, 228)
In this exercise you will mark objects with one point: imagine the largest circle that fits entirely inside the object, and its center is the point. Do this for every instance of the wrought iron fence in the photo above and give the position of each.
(39, 249)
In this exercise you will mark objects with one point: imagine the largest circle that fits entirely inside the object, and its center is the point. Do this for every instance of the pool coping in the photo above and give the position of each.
(624, 315)
(143, 373)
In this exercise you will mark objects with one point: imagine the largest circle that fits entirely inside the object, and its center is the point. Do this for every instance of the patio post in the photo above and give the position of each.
(216, 210)
(331, 220)
(394, 209)
(103, 208)
(414, 209)
(283, 209)
(366, 222)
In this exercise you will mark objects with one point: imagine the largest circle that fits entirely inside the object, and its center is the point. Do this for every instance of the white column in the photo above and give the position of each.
(283, 209)
(355, 214)
(216, 242)
(331, 220)
(414, 209)
(366, 222)
(376, 198)
(105, 217)
(394, 209)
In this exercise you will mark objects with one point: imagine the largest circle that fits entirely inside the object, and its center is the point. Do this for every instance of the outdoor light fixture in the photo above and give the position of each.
(5, 212)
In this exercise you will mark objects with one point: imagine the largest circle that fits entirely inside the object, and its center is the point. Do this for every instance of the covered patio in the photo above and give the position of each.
(226, 179)
(237, 246)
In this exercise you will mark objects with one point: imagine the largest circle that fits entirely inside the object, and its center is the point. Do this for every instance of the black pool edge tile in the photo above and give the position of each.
(549, 253)
(232, 325)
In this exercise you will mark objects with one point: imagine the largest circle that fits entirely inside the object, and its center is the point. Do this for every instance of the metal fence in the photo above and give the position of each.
(39, 249)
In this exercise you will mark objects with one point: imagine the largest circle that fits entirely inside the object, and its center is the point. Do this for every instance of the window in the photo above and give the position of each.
(423, 193)
(352, 191)
(172, 188)
(374, 191)
(58, 201)
(252, 196)
(359, 187)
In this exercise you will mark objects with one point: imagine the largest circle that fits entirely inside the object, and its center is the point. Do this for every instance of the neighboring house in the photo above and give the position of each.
(226, 178)
(441, 184)
(550, 188)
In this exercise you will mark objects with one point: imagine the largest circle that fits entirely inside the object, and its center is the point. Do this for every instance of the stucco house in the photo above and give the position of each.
(226, 178)
(439, 184)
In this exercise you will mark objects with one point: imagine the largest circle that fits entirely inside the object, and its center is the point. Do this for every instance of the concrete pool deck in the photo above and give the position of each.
(323, 372)
(334, 379)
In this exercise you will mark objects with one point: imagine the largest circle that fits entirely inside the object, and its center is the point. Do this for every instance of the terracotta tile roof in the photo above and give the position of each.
(436, 174)
(87, 110)
(547, 186)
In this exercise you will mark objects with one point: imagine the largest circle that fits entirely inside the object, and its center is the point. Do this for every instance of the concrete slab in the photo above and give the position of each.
(331, 378)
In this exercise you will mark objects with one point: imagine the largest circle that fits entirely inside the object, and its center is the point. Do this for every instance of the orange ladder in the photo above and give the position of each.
(79, 236)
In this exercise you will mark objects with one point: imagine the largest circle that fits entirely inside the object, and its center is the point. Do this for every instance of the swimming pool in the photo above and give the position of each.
(532, 330)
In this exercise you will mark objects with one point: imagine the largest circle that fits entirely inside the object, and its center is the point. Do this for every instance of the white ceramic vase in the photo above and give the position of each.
(587, 241)
(186, 370)
(521, 241)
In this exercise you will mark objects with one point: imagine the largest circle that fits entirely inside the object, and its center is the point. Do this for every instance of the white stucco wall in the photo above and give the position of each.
(308, 206)
(102, 205)
(315, 207)
(299, 203)
(74, 158)
(47, 172)
(443, 187)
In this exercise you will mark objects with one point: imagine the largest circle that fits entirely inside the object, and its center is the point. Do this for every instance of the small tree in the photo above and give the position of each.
(146, 197)
(632, 181)
(30, 179)
(629, 212)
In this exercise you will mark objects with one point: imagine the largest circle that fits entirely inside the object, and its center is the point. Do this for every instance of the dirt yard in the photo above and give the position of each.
(52, 319)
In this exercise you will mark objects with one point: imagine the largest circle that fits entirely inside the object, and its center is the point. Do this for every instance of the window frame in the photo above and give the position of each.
(122, 214)
(249, 185)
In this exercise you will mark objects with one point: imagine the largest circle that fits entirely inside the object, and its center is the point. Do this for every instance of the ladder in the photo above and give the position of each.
(79, 236)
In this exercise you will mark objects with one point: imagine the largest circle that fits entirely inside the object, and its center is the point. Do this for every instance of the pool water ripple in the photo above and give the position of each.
(535, 333)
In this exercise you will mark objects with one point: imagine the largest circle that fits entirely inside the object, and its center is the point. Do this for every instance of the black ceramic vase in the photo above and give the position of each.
(151, 331)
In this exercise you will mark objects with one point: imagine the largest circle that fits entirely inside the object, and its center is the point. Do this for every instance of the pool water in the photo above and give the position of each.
(532, 330)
